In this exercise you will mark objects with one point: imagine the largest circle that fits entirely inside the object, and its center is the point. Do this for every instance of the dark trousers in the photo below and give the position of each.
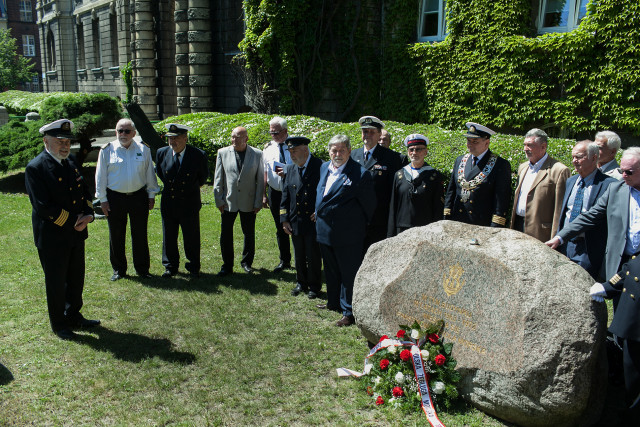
(64, 281)
(631, 363)
(518, 223)
(190, 225)
(576, 251)
(308, 262)
(248, 225)
(341, 263)
(282, 238)
(134, 206)
(374, 235)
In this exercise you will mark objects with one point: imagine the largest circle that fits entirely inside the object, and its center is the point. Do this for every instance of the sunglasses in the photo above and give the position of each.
(127, 131)
(274, 133)
(416, 149)
(628, 172)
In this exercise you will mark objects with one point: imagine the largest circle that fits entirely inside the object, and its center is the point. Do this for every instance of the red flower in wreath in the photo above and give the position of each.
(401, 333)
(384, 364)
(434, 338)
(370, 391)
(440, 359)
(405, 355)
(397, 392)
(384, 337)
(379, 401)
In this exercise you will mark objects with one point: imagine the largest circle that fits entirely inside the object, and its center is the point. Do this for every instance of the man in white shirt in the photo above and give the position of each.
(275, 155)
(609, 144)
(126, 185)
(537, 206)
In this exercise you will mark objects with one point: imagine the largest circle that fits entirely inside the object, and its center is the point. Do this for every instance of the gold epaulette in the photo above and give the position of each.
(447, 211)
(62, 218)
(89, 204)
(500, 220)
(144, 143)
(615, 279)
(283, 211)
(103, 147)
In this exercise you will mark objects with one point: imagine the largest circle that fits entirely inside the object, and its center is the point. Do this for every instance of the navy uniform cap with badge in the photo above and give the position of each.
(382, 163)
(479, 191)
(176, 129)
(59, 197)
(417, 193)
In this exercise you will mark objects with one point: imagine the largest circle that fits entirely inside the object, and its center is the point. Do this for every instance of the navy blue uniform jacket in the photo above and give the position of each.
(299, 197)
(342, 215)
(181, 191)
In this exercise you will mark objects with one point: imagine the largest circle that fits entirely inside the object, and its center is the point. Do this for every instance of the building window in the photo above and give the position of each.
(432, 25)
(561, 15)
(97, 43)
(29, 45)
(115, 54)
(26, 13)
(51, 51)
(35, 84)
(80, 35)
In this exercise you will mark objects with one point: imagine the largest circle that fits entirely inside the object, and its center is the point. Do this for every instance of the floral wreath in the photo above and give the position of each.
(414, 370)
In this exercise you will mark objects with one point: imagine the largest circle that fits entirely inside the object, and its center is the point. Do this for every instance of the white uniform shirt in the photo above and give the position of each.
(125, 170)
(529, 177)
(270, 155)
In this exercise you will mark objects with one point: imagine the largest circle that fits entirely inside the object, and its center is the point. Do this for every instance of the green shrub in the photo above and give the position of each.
(19, 143)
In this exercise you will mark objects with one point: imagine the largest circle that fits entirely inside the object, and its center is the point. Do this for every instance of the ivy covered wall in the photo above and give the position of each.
(352, 58)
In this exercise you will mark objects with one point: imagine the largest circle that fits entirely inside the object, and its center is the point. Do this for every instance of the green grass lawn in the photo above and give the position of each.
(233, 351)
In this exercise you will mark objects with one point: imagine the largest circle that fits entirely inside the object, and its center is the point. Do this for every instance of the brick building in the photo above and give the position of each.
(20, 17)
(180, 51)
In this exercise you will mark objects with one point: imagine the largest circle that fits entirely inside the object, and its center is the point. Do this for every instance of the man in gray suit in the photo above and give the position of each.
(619, 207)
(238, 187)
(609, 144)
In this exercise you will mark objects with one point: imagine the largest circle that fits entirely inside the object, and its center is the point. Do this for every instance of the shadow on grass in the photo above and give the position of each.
(206, 283)
(13, 183)
(132, 347)
(5, 375)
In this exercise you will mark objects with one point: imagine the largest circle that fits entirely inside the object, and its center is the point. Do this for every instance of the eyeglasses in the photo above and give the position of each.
(273, 133)
(415, 149)
(627, 172)
(127, 131)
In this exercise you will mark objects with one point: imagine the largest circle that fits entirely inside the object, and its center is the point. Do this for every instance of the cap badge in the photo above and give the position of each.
(472, 129)
(65, 126)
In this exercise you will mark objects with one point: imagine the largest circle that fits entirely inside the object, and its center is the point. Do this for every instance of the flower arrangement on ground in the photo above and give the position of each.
(390, 374)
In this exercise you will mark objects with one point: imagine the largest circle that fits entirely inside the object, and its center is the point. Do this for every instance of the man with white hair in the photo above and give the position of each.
(619, 208)
(275, 156)
(609, 144)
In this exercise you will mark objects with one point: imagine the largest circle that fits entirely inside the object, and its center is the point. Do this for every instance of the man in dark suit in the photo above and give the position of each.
(625, 325)
(238, 187)
(582, 191)
(345, 203)
(480, 187)
(62, 209)
(619, 209)
(183, 170)
(296, 214)
(382, 163)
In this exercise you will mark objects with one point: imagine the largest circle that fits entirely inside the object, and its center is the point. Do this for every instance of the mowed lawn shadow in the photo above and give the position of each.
(132, 347)
(206, 283)
(5, 375)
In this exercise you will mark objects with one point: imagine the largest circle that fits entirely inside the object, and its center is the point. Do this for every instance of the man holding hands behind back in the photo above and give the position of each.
(183, 169)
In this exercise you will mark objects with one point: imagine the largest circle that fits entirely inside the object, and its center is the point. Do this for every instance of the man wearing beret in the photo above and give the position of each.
(182, 169)
(382, 163)
(480, 187)
(126, 185)
(62, 209)
(297, 214)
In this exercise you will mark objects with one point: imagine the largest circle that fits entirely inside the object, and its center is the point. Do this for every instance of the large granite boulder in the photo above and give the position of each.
(527, 336)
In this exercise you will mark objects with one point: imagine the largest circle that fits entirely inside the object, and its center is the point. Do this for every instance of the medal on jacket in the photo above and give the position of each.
(468, 186)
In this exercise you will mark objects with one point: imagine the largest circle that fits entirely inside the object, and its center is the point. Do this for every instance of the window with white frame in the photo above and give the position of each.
(26, 14)
(432, 24)
(561, 15)
(29, 45)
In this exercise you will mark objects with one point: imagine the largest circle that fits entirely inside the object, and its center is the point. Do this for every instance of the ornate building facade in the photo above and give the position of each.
(180, 51)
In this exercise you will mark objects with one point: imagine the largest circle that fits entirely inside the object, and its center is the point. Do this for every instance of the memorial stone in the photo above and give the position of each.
(32, 116)
(527, 336)
(4, 116)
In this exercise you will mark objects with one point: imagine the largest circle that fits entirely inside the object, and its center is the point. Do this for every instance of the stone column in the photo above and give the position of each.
(182, 56)
(200, 70)
(143, 53)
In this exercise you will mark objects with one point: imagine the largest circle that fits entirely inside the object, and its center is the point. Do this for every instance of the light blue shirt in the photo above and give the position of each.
(633, 233)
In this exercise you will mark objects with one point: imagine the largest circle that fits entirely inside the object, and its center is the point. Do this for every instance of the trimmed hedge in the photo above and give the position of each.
(212, 131)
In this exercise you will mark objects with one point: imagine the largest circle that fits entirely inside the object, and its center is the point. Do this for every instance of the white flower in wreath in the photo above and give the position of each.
(439, 387)
(367, 368)
(377, 380)
(415, 334)
(392, 349)
(399, 378)
(385, 343)
(424, 354)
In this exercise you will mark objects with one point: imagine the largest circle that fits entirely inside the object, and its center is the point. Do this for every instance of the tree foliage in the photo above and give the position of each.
(14, 68)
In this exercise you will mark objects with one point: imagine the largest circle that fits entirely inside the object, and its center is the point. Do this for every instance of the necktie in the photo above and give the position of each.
(301, 171)
(577, 203)
(282, 158)
(475, 160)
(176, 163)
(366, 156)
(65, 162)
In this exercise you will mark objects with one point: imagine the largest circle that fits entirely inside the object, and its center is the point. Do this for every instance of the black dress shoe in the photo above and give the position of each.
(66, 334)
(247, 268)
(116, 276)
(224, 272)
(297, 290)
(346, 321)
(168, 273)
(145, 275)
(312, 295)
(281, 267)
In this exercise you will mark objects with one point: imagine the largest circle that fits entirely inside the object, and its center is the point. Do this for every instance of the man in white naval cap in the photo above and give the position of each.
(183, 169)
(480, 187)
